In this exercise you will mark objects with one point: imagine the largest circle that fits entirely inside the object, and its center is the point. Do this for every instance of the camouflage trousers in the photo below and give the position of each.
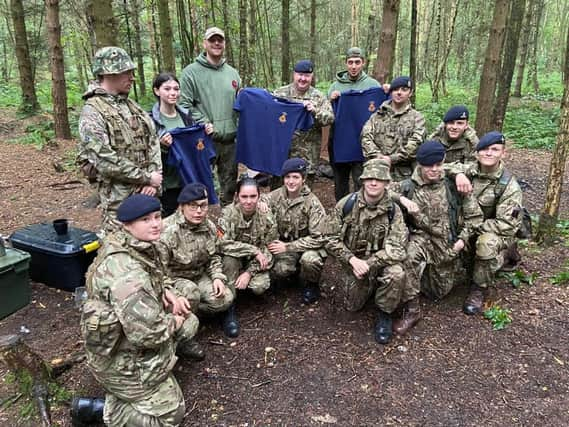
(429, 269)
(488, 257)
(161, 406)
(310, 264)
(200, 294)
(233, 267)
(385, 283)
(226, 171)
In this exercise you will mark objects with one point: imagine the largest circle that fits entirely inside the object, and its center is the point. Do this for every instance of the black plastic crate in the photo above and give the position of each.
(59, 261)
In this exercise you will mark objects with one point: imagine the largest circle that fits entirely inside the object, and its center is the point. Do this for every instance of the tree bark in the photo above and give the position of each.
(371, 24)
(102, 20)
(532, 74)
(509, 62)
(140, 79)
(285, 41)
(58, 86)
(29, 98)
(313, 31)
(354, 26)
(154, 38)
(386, 52)
(492, 64)
(183, 33)
(226, 27)
(524, 42)
(413, 48)
(243, 53)
(546, 231)
(166, 37)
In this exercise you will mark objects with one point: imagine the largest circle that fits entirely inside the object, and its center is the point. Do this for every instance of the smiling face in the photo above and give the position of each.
(490, 157)
(168, 92)
(455, 128)
(374, 188)
(146, 228)
(355, 66)
(400, 96)
(214, 47)
(302, 81)
(432, 173)
(247, 198)
(293, 182)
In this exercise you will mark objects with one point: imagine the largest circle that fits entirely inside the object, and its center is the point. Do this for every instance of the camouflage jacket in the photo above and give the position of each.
(500, 215)
(396, 134)
(367, 232)
(119, 139)
(434, 217)
(192, 249)
(461, 150)
(300, 221)
(128, 335)
(244, 237)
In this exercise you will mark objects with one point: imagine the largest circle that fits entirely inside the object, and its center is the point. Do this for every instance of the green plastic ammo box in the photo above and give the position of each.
(14, 281)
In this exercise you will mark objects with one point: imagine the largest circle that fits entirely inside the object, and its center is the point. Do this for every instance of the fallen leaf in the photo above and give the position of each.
(326, 419)
(561, 362)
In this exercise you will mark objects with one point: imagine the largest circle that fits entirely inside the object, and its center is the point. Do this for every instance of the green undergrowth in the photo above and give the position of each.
(498, 316)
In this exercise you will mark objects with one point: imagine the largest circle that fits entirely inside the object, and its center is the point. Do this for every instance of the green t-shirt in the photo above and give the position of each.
(171, 178)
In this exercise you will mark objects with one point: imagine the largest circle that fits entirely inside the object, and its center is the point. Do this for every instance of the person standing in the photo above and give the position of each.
(118, 147)
(167, 115)
(306, 144)
(208, 89)
(353, 78)
(395, 131)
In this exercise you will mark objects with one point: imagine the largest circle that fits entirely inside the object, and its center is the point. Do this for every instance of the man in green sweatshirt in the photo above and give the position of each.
(353, 78)
(208, 89)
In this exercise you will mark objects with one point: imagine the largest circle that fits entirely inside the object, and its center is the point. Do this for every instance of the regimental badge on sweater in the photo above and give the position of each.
(282, 118)
(371, 108)
(200, 144)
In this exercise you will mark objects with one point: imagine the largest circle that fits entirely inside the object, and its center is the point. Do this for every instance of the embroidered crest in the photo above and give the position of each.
(200, 145)
(234, 84)
(282, 118)
(463, 115)
(371, 107)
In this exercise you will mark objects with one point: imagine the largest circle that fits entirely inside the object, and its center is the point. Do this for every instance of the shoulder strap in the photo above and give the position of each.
(408, 188)
(391, 212)
(349, 205)
(502, 184)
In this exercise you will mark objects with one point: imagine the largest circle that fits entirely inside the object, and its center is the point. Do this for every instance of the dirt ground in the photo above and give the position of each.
(452, 370)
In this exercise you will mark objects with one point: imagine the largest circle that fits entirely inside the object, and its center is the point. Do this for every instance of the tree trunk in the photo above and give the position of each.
(285, 41)
(354, 26)
(243, 53)
(29, 99)
(386, 52)
(252, 43)
(492, 64)
(532, 75)
(509, 62)
(166, 37)
(371, 24)
(154, 38)
(413, 48)
(140, 79)
(313, 31)
(183, 33)
(58, 87)
(441, 64)
(226, 27)
(524, 42)
(102, 20)
(78, 60)
(546, 231)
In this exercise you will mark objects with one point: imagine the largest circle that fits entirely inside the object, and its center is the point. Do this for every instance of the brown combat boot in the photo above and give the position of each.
(474, 301)
(410, 317)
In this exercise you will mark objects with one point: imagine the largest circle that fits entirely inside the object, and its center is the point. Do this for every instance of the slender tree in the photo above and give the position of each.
(534, 48)
(386, 52)
(183, 33)
(509, 62)
(313, 30)
(524, 42)
(285, 41)
(29, 99)
(58, 87)
(546, 231)
(492, 65)
(243, 53)
(413, 47)
(371, 25)
(166, 37)
(140, 79)
(103, 23)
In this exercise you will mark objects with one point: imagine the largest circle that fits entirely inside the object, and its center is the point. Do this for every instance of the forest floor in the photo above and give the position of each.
(452, 370)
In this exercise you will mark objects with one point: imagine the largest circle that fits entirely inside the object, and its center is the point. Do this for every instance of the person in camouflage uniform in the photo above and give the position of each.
(245, 234)
(440, 223)
(458, 138)
(395, 131)
(368, 235)
(119, 148)
(133, 325)
(192, 244)
(306, 144)
(500, 198)
(300, 220)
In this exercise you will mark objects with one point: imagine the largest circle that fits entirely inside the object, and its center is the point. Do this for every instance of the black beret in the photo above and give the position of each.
(136, 206)
(191, 192)
(457, 112)
(491, 138)
(294, 165)
(401, 81)
(304, 66)
(430, 152)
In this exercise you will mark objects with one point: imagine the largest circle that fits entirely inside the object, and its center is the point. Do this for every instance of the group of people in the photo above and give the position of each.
(424, 215)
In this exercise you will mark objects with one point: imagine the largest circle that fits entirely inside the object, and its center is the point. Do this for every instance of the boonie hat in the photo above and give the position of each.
(376, 169)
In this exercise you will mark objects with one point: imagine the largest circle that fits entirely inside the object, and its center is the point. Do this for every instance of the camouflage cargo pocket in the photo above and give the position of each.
(100, 327)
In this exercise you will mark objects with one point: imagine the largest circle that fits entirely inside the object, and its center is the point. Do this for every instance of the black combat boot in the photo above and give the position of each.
(310, 292)
(86, 411)
(190, 349)
(383, 328)
(231, 323)
(474, 301)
